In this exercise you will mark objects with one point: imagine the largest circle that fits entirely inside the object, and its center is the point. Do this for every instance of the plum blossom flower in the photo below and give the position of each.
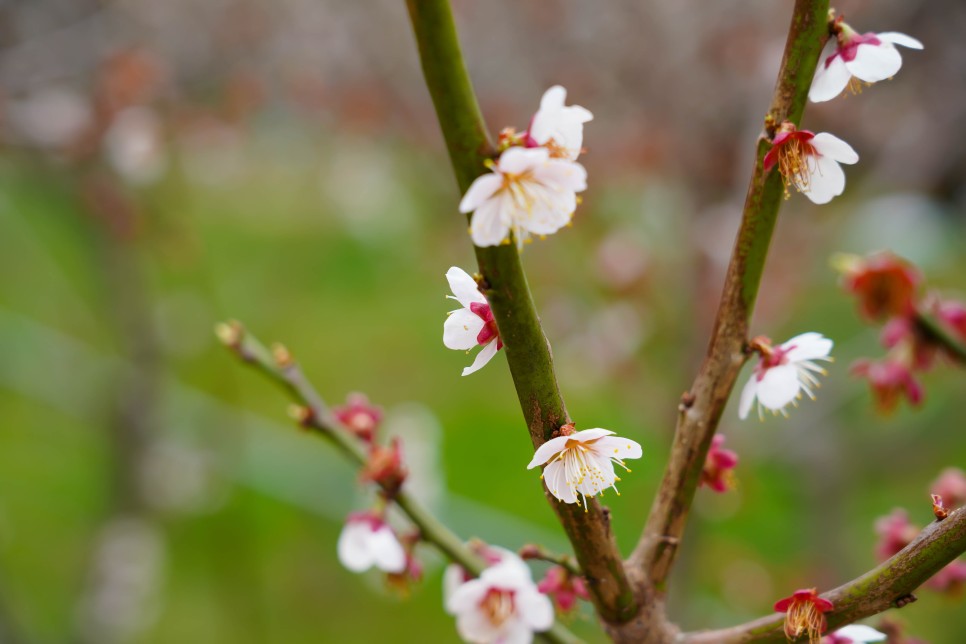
(583, 462)
(367, 541)
(884, 284)
(854, 57)
(359, 415)
(455, 575)
(718, 468)
(810, 161)
(558, 127)
(890, 379)
(527, 193)
(502, 606)
(473, 324)
(854, 634)
(804, 613)
(565, 588)
(784, 372)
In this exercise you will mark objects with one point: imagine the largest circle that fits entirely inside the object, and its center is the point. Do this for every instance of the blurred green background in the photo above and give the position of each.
(166, 167)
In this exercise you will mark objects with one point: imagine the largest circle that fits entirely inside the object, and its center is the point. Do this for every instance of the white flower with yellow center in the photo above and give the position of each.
(558, 127)
(784, 372)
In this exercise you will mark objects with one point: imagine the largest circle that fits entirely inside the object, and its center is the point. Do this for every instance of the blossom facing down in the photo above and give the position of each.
(359, 416)
(527, 193)
(853, 58)
(564, 588)
(784, 372)
(810, 161)
(804, 613)
(583, 462)
(471, 325)
(367, 541)
(890, 380)
(718, 468)
(884, 284)
(503, 605)
(558, 127)
(854, 634)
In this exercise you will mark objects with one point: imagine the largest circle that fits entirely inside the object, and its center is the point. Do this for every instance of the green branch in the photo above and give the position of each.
(941, 335)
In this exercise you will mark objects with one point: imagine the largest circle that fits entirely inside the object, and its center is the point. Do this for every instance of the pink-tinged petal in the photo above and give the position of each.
(353, 547)
(460, 329)
(546, 451)
(485, 355)
(466, 597)
(560, 173)
(516, 631)
(536, 610)
(747, 397)
(826, 182)
(475, 626)
(490, 224)
(480, 191)
(463, 287)
(860, 633)
(807, 346)
(896, 38)
(831, 146)
(387, 552)
(517, 160)
(778, 387)
(453, 577)
(823, 604)
(874, 63)
(830, 80)
(618, 447)
(555, 477)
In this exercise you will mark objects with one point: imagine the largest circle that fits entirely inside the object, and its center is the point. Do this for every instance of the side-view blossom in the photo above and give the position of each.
(784, 372)
(854, 634)
(853, 58)
(527, 193)
(890, 379)
(564, 588)
(367, 541)
(558, 127)
(719, 465)
(583, 462)
(455, 575)
(503, 605)
(471, 325)
(810, 161)
(804, 613)
(884, 284)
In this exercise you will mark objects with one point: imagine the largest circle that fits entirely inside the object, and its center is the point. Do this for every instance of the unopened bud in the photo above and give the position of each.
(230, 333)
(938, 509)
(301, 414)
(282, 356)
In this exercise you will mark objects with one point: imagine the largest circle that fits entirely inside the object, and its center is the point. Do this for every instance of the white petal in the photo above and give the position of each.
(546, 451)
(475, 626)
(480, 190)
(899, 39)
(553, 98)
(873, 63)
(618, 447)
(548, 212)
(516, 631)
(826, 182)
(453, 578)
(599, 477)
(536, 609)
(464, 287)
(808, 346)
(555, 476)
(466, 597)
(485, 355)
(353, 546)
(461, 329)
(491, 222)
(833, 147)
(508, 575)
(860, 633)
(562, 173)
(591, 434)
(517, 160)
(747, 396)
(387, 552)
(779, 387)
(829, 81)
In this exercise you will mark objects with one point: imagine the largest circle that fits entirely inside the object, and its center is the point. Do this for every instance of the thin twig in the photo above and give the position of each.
(938, 332)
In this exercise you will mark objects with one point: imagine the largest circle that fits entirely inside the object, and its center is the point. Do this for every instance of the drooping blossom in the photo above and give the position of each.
(359, 416)
(718, 468)
(527, 193)
(503, 605)
(564, 588)
(367, 541)
(951, 486)
(854, 634)
(884, 284)
(784, 372)
(810, 161)
(558, 127)
(852, 58)
(890, 379)
(582, 462)
(895, 533)
(473, 325)
(804, 613)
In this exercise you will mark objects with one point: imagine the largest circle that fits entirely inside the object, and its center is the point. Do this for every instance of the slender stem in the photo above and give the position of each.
(872, 593)
(534, 551)
(702, 407)
(506, 288)
(938, 332)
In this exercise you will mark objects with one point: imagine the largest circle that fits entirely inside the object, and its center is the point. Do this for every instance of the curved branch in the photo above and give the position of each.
(939, 333)
(874, 592)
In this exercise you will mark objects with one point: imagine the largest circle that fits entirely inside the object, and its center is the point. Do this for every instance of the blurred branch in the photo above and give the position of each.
(285, 372)
(505, 286)
(938, 332)
(702, 405)
(874, 592)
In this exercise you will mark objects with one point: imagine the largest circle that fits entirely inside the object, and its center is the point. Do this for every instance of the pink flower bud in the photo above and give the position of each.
(359, 416)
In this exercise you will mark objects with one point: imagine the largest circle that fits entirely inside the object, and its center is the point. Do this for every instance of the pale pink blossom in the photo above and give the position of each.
(558, 127)
(853, 57)
(473, 324)
(784, 372)
(367, 541)
(810, 161)
(854, 634)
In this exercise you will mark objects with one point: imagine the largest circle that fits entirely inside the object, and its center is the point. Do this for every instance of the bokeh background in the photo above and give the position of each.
(166, 165)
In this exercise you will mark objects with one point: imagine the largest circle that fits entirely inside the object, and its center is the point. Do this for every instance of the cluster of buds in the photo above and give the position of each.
(916, 327)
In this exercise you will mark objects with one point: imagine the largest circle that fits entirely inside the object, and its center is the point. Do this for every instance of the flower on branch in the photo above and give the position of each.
(564, 588)
(527, 193)
(804, 613)
(853, 58)
(367, 541)
(583, 462)
(810, 161)
(854, 634)
(473, 325)
(359, 416)
(890, 379)
(895, 533)
(884, 284)
(503, 605)
(718, 468)
(784, 372)
(558, 127)
(951, 486)
(385, 467)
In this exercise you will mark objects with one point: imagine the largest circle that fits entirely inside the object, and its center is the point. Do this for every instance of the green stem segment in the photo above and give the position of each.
(505, 286)
(938, 332)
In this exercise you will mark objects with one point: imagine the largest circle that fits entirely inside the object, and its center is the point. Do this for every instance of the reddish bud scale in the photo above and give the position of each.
(385, 467)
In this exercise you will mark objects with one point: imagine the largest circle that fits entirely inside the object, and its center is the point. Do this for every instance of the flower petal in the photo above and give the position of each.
(808, 346)
(485, 355)
(353, 547)
(464, 287)
(747, 396)
(778, 387)
(830, 80)
(536, 609)
(831, 146)
(555, 477)
(563, 174)
(482, 189)
(387, 552)
(460, 329)
(896, 38)
(517, 160)
(826, 182)
(546, 451)
(466, 596)
(860, 633)
(491, 223)
(618, 447)
(873, 63)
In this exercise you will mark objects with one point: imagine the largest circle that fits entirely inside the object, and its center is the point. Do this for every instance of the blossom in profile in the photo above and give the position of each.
(473, 324)
(502, 605)
(456, 575)
(784, 372)
(854, 634)
(891, 380)
(853, 58)
(810, 161)
(718, 471)
(804, 613)
(558, 127)
(883, 284)
(583, 462)
(564, 588)
(367, 541)
(527, 193)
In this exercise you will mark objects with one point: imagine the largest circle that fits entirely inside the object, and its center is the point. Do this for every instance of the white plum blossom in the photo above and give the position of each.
(583, 462)
(367, 541)
(784, 372)
(558, 127)
(527, 193)
(856, 634)
(869, 58)
(471, 325)
(810, 161)
(502, 606)
(455, 575)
